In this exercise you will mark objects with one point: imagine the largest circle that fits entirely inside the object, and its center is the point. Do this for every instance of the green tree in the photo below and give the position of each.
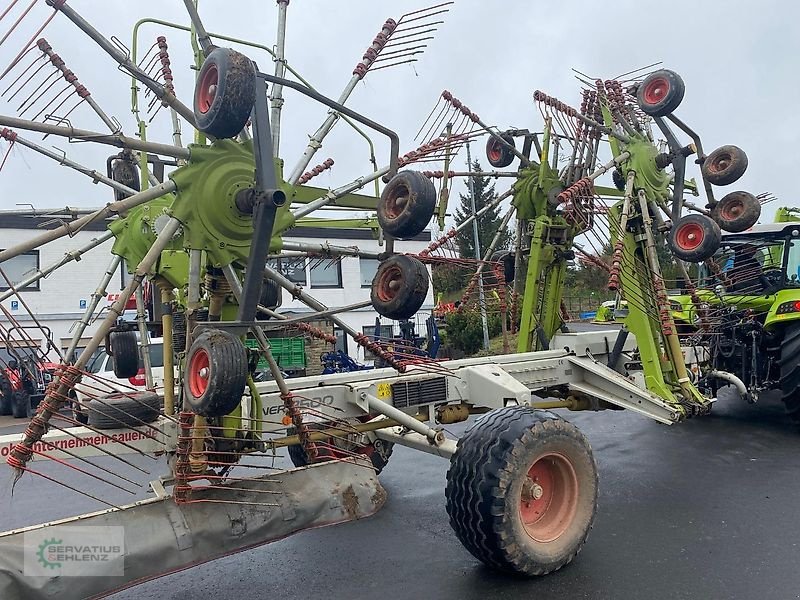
(488, 224)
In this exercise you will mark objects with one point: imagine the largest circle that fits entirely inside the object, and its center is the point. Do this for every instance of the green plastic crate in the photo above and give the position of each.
(289, 352)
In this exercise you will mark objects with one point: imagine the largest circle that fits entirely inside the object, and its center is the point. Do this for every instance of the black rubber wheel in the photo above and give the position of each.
(736, 211)
(119, 410)
(660, 93)
(724, 165)
(216, 373)
(406, 205)
(377, 451)
(522, 490)
(179, 330)
(399, 287)
(6, 395)
(124, 348)
(498, 155)
(123, 170)
(21, 404)
(225, 92)
(270, 297)
(694, 238)
(790, 371)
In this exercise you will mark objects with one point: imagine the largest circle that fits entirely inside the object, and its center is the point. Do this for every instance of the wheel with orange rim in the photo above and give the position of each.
(736, 211)
(399, 287)
(406, 205)
(499, 155)
(660, 93)
(522, 490)
(225, 92)
(694, 238)
(725, 165)
(216, 373)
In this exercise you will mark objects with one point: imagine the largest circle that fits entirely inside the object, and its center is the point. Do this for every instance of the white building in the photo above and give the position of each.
(59, 300)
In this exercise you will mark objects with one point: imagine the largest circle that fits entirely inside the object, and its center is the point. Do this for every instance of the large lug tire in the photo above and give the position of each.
(660, 93)
(694, 238)
(790, 371)
(724, 165)
(21, 404)
(406, 205)
(378, 451)
(498, 155)
(124, 348)
(6, 395)
(225, 93)
(522, 490)
(216, 373)
(736, 211)
(122, 409)
(399, 287)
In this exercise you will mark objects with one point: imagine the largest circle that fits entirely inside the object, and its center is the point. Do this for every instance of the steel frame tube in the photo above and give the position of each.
(386, 409)
(334, 195)
(328, 249)
(117, 140)
(74, 226)
(276, 100)
(416, 441)
(144, 340)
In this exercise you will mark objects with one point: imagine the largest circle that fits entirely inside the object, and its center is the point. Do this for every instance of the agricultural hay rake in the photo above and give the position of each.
(203, 235)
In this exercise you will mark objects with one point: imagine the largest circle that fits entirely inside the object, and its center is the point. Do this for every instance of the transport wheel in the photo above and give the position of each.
(124, 353)
(724, 165)
(123, 170)
(790, 371)
(337, 448)
(399, 287)
(660, 93)
(270, 297)
(6, 395)
(225, 93)
(119, 410)
(736, 211)
(216, 373)
(21, 404)
(406, 204)
(522, 490)
(694, 238)
(497, 154)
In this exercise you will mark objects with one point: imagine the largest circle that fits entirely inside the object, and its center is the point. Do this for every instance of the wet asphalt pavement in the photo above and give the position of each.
(704, 509)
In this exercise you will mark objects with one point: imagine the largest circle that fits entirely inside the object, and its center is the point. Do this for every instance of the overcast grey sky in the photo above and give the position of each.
(737, 58)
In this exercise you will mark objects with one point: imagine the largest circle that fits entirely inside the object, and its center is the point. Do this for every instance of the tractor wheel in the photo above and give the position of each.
(522, 490)
(225, 93)
(736, 211)
(21, 404)
(724, 165)
(406, 205)
(216, 373)
(123, 409)
(378, 451)
(6, 395)
(694, 238)
(124, 353)
(660, 93)
(497, 154)
(399, 287)
(790, 371)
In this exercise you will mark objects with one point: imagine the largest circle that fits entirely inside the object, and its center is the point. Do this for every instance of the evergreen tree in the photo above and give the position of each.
(488, 223)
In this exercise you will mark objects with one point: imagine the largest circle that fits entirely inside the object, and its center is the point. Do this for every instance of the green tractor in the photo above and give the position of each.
(745, 311)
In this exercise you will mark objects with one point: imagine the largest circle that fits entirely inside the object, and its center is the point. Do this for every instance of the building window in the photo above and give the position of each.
(326, 274)
(384, 335)
(368, 266)
(18, 269)
(294, 269)
(341, 340)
